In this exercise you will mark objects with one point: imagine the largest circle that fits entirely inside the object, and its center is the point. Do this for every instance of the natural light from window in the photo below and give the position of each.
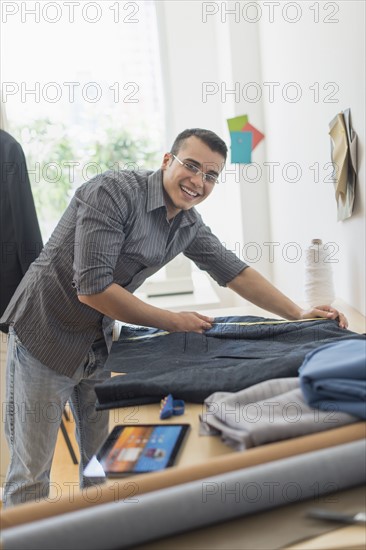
(84, 95)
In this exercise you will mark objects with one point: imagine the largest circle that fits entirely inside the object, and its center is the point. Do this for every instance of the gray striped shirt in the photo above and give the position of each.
(115, 230)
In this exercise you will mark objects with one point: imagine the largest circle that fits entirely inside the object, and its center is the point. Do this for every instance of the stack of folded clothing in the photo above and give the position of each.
(330, 392)
(334, 376)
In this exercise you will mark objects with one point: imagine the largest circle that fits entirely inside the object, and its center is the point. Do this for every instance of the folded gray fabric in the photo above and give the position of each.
(270, 411)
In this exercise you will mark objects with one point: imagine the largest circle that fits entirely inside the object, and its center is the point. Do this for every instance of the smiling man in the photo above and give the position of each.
(120, 228)
(185, 185)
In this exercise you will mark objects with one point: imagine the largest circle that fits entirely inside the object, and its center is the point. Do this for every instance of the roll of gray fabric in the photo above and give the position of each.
(151, 516)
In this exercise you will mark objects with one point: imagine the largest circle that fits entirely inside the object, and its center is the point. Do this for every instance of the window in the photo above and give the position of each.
(82, 89)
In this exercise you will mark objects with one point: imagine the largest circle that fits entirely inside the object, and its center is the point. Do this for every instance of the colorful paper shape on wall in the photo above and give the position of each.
(344, 159)
(243, 135)
(241, 147)
(257, 135)
(236, 124)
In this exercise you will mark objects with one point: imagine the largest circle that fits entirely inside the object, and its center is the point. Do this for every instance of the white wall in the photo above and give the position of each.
(195, 52)
(189, 58)
(307, 52)
(232, 50)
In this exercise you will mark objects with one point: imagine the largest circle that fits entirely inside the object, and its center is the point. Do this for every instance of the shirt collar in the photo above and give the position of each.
(155, 198)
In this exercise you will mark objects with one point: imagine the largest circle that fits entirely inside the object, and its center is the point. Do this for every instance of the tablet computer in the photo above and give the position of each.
(136, 449)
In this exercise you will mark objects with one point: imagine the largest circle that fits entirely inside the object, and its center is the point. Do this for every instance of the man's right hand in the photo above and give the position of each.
(118, 303)
(189, 321)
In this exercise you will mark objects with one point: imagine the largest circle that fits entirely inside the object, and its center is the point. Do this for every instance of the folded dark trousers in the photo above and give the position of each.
(229, 357)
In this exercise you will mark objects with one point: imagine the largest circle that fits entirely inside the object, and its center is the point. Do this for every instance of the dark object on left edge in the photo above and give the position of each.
(20, 236)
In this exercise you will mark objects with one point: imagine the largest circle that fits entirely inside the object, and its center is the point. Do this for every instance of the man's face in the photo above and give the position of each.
(182, 188)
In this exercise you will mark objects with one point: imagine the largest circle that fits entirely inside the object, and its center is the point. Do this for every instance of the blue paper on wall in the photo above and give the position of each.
(241, 147)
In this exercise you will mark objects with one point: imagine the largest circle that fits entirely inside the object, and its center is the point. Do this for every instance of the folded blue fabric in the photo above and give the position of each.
(333, 377)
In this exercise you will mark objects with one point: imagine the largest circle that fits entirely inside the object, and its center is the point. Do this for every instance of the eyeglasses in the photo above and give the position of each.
(210, 178)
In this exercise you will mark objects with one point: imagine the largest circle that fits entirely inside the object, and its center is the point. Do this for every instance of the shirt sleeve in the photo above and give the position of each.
(207, 252)
(99, 236)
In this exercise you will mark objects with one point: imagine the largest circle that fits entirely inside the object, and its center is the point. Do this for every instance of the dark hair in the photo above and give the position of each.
(212, 140)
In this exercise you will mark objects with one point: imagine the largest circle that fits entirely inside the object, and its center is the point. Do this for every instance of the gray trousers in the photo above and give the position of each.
(35, 400)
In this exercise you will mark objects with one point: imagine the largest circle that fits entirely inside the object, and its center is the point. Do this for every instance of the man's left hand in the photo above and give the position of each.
(327, 312)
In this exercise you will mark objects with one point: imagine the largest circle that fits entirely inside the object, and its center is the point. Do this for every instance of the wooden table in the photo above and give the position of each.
(198, 449)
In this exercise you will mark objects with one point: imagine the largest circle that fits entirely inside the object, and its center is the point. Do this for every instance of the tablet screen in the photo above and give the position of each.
(142, 448)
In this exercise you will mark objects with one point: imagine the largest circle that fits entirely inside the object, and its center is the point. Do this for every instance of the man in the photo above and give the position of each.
(119, 229)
